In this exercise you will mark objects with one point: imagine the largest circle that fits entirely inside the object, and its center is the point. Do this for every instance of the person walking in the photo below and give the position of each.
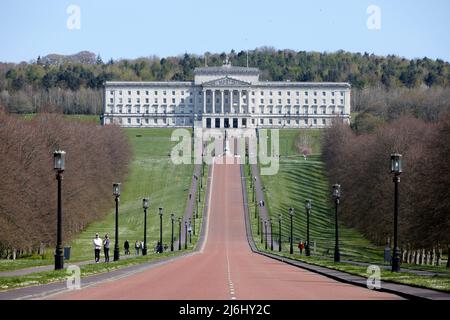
(97, 247)
(106, 247)
(142, 247)
(301, 246)
(137, 246)
(126, 246)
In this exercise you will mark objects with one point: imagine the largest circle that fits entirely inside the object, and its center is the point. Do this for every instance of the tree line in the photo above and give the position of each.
(77, 81)
(361, 164)
(28, 184)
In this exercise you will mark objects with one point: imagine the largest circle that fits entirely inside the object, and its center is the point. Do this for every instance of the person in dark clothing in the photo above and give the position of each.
(126, 246)
(106, 247)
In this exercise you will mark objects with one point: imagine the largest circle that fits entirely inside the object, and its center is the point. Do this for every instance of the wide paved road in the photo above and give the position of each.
(225, 268)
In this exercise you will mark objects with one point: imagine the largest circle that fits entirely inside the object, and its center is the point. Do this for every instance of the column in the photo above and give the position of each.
(213, 102)
(221, 101)
(231, 101)
(239, 102)
(204, 100)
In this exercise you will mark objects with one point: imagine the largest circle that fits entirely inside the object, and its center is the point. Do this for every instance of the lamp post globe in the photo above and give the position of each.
(116, 193)
(308, 206)
(59, 163)
(396, 170)
(336, 197)
(291, 247)
(145, 205)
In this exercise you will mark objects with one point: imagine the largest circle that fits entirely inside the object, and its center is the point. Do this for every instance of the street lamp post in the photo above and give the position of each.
(265, 233)
(179, 233)
(145, 206)
(336, 196)
(116, 193)
(172, 218)
(396, 169)
(291, 214)
(190, 231)
(279, 232)
(262, 230)
(308, 211)
(160, 230)
(185, 234)
(193, 219)
(59, 160)
(271, 234)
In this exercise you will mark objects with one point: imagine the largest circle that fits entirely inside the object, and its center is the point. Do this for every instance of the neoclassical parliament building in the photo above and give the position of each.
(226, 97)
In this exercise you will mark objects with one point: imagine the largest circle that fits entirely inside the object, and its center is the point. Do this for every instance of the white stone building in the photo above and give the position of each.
(226, 97)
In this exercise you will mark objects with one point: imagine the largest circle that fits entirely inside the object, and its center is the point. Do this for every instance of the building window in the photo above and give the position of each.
(111, 100)
(261, 121)
(146, 93)
(306, 101)
(306, 121)
(324, 93)
(323, 121)
(173, 93)
(262, 93)
(147, 100)
(146, 120)
(120, 92)
(332, 93)
(270, 121)
(156, 93)
(182, 92)
(129, 100)
(173, 100)
(164, 92)
(129, 120)
(138, 92)
(279, 101)
(262, 100)
(289, 93)
(306, 93)
(324, 101)
(288, 101)
(111, 92)
(270, 101)
(342, 93)
(138, 100)
(156, 100)
(120, 100)
(164, 100)
(279, 93)
(342, 101)
(138, 120)
(155, 121)
(315, 101)
(129, 110)
(315, 121)
(129, 93)
(315, 93)
(138, 110)
(298, 93)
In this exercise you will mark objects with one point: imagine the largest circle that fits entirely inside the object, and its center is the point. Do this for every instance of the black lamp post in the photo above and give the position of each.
(262, 230)
(172, 218)
(265, 233)
(308, 211)
(291, 214)
(116, 193)
(59, 161)
(145, 206)
(190, 231)
(160, 230)
(279, 232)
(193, 219)
(179, 233)
(271, 234)
(336, 196)
(185, 234)
(396, 169)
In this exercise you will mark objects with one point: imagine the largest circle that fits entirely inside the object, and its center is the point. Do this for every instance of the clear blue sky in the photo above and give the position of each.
(133, 28)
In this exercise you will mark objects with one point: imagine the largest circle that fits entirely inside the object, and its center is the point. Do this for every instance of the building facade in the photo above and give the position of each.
(226, 97)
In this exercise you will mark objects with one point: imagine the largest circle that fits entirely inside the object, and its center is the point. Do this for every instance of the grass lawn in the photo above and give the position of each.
(152, 174)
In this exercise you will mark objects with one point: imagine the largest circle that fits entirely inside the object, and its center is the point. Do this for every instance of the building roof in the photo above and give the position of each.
(226, 69)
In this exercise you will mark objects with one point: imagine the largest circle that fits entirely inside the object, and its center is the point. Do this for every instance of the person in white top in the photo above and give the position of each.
(97, 247)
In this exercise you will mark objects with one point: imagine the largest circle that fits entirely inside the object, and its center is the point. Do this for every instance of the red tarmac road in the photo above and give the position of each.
(225, 268)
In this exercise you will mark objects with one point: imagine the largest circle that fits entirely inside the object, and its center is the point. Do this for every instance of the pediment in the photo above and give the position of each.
(226, 82)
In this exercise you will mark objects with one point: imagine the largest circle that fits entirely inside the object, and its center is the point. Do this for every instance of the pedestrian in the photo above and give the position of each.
(142, 247)
(126, 246)
(137, 246)
(106, 247)
(97, 247)
(262, 201)
(301, 246)
(158, 247)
